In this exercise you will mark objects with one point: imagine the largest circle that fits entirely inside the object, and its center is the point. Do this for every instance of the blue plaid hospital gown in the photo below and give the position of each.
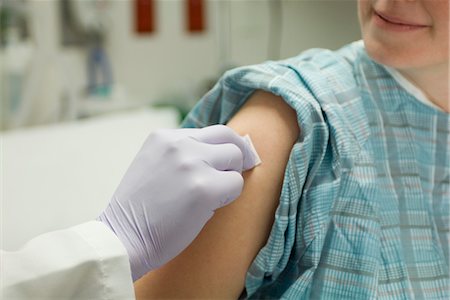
(364, 209)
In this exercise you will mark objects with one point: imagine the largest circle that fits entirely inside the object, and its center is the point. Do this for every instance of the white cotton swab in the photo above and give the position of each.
(251, 158)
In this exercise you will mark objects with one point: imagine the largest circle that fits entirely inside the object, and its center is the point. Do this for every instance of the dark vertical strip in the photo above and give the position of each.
(144, 16)
(195, 15)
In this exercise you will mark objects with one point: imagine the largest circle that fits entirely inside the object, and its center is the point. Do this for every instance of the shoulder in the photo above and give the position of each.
(323, 70)
(301, 81)
(307, 77)
(319, 84)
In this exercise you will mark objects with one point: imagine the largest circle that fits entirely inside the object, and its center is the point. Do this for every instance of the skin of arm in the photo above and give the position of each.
(215, 264)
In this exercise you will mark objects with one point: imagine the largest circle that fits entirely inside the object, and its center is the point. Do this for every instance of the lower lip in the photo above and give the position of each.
(382, 23)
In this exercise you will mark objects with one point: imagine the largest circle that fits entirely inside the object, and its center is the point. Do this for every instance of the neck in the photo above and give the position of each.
(434, 83)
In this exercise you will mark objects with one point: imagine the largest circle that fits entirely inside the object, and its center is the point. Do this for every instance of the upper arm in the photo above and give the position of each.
(215, 264)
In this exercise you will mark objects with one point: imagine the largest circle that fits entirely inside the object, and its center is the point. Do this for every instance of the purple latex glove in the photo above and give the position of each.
(172, 188)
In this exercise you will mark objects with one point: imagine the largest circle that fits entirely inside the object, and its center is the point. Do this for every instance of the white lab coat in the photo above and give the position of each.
(83, 262)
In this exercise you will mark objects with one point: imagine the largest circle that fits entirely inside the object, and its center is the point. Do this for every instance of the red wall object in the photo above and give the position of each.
(144, 16)
(195, 15)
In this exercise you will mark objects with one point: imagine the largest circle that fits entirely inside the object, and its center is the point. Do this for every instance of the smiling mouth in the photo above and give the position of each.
(395, 24)
(396, 21)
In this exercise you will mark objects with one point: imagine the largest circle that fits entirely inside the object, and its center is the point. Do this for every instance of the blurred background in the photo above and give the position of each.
(70, 59)
(84, 82)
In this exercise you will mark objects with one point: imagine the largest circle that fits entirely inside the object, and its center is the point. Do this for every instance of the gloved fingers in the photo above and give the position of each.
(223, 157)
(227, 188)
(221, 134)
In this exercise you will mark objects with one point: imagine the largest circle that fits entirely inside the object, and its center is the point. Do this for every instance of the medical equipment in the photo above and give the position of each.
(100, 78)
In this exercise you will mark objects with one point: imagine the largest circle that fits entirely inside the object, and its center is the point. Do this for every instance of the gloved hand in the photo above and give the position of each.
(172, 188)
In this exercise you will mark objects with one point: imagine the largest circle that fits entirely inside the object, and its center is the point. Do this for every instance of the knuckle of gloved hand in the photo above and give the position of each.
(172, 149)
(178, 149)
(186, 165)
(225, 130)
(156, 136)
(199, 188)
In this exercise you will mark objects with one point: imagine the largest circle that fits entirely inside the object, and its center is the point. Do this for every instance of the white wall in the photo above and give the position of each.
(305, 24)
(171, 60)
(153, 65)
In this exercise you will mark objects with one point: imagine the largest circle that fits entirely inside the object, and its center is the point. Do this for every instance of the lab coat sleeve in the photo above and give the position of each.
(83, 262)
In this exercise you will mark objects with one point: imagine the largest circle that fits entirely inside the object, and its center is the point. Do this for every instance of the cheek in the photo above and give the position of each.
(440, 13)
(363, 11)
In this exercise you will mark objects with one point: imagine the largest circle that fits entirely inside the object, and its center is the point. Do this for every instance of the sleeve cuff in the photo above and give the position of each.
(112, 256)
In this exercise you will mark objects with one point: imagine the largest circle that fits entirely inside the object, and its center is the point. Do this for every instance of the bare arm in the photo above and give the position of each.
(215, 264)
